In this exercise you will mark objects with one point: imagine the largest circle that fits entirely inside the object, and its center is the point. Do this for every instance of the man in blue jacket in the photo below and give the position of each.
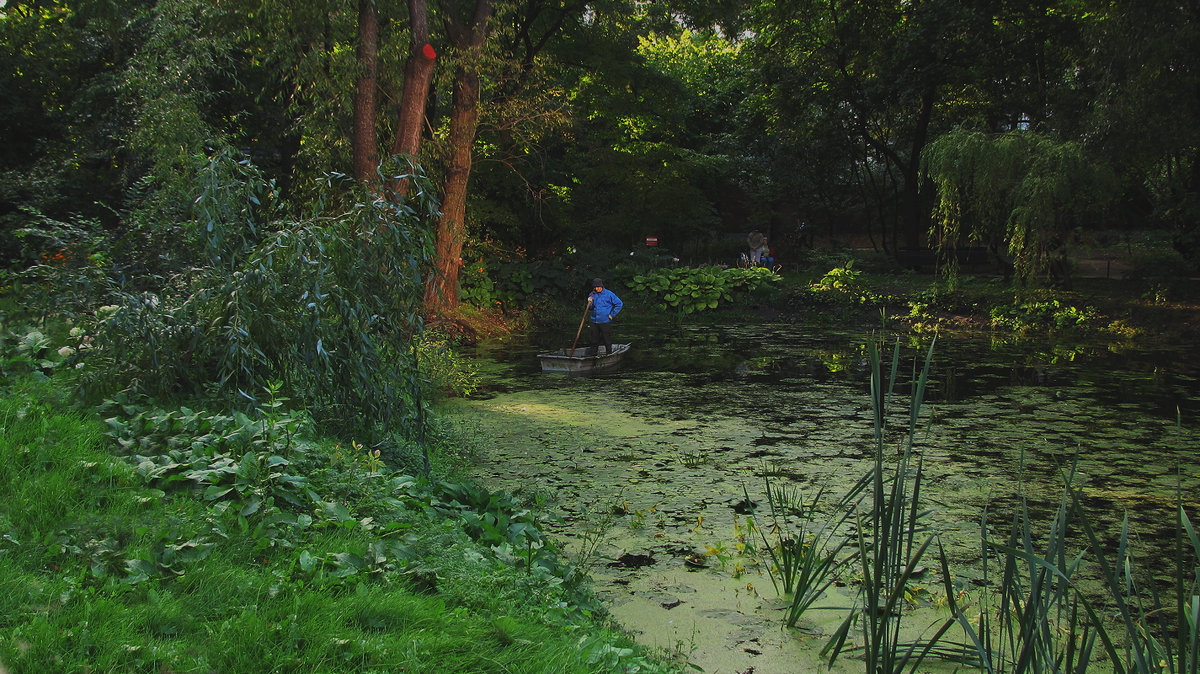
(605, 306)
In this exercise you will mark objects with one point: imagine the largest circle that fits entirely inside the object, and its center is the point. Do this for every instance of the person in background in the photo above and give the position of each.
(605, 305)
(767, 257)
(756, 241)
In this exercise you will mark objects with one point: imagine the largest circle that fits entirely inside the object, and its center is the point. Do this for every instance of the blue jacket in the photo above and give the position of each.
(605, 305)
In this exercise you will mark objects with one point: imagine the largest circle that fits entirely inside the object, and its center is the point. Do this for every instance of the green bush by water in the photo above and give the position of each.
(689, 290)
(326, 304)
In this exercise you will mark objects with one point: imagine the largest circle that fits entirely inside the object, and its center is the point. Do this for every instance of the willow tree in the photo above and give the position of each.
(1020, 194)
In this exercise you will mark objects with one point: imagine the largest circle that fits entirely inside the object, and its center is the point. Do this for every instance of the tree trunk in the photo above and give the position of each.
(366, 157)
(912, 216)
(418, 72)
(441, 294)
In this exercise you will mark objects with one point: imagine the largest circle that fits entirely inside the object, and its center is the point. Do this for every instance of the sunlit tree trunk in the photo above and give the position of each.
(418, 72)
(467, 37)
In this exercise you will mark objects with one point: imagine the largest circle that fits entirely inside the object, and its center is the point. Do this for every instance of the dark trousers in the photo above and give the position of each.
(601, 334)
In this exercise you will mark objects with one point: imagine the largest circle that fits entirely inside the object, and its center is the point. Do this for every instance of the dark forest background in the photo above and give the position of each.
(1014, 126)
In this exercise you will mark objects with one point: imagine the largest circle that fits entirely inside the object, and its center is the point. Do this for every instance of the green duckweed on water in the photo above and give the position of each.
(648, 469)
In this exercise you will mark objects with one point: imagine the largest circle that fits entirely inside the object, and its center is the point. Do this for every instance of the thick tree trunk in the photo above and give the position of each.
(418, 72)
(441, 294)
(913, 218)
(366, 157)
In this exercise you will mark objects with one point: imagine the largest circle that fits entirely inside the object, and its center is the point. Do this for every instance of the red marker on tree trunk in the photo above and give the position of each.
(428, 51)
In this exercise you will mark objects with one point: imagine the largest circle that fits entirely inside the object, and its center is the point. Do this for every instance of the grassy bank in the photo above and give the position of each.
(176, 540)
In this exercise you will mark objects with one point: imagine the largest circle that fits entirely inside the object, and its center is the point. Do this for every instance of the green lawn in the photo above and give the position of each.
(185, 541)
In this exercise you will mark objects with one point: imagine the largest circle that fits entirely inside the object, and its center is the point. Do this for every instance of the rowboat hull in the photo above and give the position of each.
(578, 362)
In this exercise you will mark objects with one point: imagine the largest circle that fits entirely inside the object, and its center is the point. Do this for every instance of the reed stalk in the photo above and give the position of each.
(1047, 620)
(805, 561)
(889, 550)
(1038, 613)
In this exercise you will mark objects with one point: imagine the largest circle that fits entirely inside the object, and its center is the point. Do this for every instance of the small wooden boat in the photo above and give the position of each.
(579, 362)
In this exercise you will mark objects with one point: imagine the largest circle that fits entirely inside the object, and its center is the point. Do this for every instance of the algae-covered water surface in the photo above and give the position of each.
(655, 472)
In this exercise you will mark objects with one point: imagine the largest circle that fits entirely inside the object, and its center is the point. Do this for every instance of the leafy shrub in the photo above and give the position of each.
(445, 370)
(328, 305)
(1164, 271)
(25, 351)
(69, 265)
(493, 277)
(31, 351)
(846, 282)
(1048, 314)
(262, 475)
(495, 520)
(844, 278)
(689, 290)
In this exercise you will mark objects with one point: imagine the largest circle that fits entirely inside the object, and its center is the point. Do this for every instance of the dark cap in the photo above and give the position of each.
(597, 282)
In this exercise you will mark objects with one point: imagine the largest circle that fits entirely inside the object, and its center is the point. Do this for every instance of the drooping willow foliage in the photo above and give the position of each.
(324, 309)
(1019, 194)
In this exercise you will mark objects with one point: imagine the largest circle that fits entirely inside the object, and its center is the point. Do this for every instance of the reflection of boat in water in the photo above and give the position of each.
(579, 362)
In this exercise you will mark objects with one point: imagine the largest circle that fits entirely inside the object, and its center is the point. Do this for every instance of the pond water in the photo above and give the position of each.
(648, 469)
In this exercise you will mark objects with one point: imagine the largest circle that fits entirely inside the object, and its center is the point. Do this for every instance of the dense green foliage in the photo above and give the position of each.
(1017, 193)
(325, 307)
(606, 122)
(182, 539)
(690, 290)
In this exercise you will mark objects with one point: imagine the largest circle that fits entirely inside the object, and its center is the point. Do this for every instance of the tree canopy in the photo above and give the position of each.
(549, 123)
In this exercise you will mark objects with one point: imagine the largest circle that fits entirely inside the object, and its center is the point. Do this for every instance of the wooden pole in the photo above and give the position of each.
(578, 332)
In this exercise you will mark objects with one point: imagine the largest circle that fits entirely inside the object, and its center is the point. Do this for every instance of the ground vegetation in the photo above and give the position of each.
(288, 214)
(143, 535)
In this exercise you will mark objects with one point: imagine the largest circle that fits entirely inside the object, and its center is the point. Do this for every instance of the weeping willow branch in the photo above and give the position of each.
(1019, 194)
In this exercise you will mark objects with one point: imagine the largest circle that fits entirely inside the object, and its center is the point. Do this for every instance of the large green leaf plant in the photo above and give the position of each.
(689, 290)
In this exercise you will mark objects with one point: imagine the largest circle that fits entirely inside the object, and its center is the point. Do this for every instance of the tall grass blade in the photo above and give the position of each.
(889, 550)
(805, 562)
(1112, 579)
(1188, 615)
(983, 652)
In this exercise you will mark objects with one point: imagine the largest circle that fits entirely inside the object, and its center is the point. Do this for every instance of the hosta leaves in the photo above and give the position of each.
(138, 570)
(213, 493)
(689, 290)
